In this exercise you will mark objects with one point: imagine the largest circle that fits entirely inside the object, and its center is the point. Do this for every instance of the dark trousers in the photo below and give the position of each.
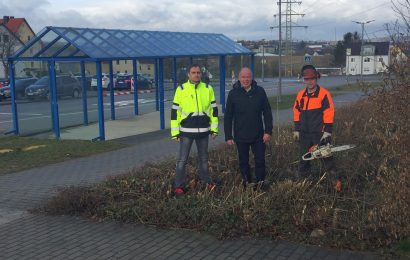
(307, 140)
(258, 150)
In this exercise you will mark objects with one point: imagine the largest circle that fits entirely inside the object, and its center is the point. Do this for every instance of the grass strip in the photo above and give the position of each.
(22, 153)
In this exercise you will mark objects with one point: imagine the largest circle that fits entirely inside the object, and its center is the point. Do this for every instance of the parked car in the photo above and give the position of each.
(148, 77)
(4, 93)
(4, 82)
(66, 86)
(143, 82)
(122, 81)
(88, 80)
(20, 86)
(105, 81)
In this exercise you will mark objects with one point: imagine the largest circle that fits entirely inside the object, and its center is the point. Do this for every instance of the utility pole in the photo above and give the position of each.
(361, 47)
(279, 95)
(289, 13)
(263, 61)
(288, 44)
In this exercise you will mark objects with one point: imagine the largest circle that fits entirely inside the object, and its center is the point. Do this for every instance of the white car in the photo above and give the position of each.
(105, 81)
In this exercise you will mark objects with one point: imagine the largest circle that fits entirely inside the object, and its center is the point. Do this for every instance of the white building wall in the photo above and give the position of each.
(368, 65)
(381, 66)
(371, 64)
(353, 65)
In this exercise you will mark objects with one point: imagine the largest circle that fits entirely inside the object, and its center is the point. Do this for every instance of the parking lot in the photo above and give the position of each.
(35, 115)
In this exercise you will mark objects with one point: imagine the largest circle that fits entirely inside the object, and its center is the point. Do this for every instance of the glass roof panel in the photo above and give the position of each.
(113, 44)
(41, 44)
(68, 51)
(55, 47)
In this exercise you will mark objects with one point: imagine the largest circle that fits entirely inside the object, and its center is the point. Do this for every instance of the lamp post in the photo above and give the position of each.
(361, 46)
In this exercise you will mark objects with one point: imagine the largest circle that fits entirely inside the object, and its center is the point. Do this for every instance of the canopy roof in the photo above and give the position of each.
(67, 43)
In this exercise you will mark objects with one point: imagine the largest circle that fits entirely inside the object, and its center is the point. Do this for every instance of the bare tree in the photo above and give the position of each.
(399, 32)
(8, 44)
(402, 8)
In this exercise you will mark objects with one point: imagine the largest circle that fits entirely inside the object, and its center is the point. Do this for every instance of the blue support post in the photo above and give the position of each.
(53, 98)
(135, 76)
(84, 93)
(100, 102)
(161, 92)
(156, 85)
(16, 129)
(112, 84)
(174, 72)
(222, 82)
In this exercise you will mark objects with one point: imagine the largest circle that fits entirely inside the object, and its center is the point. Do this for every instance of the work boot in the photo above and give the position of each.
(211, 186)
(302, 175)
(262, 186)
(179, 192)
(338, 186)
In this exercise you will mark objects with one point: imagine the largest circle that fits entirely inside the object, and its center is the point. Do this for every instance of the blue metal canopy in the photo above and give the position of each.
(67, 44)
(108, 44)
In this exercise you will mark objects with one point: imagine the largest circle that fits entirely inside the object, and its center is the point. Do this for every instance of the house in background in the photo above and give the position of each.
(146, 67)
(376, 58)
(14, 33)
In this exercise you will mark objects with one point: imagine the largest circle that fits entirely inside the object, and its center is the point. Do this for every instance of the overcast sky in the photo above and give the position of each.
(237, 19)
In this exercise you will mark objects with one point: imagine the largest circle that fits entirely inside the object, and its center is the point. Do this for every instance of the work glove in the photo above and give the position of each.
(296, 136)
(326, 138)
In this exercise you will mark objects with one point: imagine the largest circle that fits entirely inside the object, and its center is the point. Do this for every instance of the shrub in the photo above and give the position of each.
(372, 211)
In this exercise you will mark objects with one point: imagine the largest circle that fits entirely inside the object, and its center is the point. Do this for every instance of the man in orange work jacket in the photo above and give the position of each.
(313, 114)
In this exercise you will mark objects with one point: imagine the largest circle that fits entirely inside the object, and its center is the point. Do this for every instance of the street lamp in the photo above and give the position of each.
(361, 47)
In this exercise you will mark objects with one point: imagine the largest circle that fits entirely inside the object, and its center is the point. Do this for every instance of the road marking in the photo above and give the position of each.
(128, 102)
(26, 114)
(30, 114)
(142, 101)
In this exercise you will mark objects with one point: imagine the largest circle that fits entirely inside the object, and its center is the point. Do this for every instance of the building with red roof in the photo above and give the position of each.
(14, 33)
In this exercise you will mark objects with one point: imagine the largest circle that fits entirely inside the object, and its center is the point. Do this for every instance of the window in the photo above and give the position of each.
(28, 38)
(5, 38)
(148, 67)
(352, 69)
(117, 62)
(125, 62)
(367, 59)
(380, 59)
(351, 59)
(140, 68)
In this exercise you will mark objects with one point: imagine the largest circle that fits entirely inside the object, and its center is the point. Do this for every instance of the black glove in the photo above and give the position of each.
(326, 138)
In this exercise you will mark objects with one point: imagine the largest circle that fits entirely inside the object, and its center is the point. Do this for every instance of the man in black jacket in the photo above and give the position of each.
(249, 110)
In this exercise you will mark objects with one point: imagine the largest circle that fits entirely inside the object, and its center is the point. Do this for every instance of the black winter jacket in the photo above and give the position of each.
(249, 112)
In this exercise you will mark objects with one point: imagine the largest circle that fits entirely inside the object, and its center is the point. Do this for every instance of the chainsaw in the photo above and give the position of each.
(324, 151)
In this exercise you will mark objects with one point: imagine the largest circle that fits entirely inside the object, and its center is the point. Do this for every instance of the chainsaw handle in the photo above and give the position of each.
(308, 156)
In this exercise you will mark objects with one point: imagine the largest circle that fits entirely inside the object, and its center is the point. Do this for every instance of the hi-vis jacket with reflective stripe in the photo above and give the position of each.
(314, 112)
(194, 111)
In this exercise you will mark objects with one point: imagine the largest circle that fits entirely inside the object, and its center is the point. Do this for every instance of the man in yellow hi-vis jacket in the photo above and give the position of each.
(194, 116)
